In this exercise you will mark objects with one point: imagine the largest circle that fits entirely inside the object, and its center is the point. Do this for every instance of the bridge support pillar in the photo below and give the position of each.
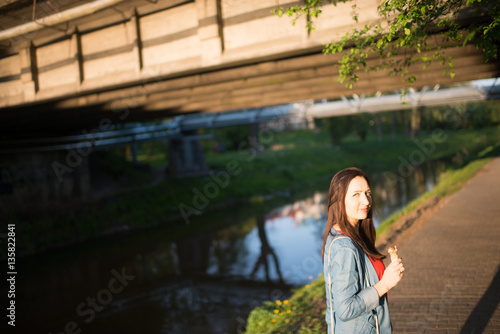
(254, 137)
(416, 117)
(186, 156)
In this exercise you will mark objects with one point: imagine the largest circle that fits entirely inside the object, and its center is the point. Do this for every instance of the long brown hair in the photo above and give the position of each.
(364, 233)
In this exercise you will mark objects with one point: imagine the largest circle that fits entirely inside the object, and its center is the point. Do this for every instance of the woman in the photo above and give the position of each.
(356, 279)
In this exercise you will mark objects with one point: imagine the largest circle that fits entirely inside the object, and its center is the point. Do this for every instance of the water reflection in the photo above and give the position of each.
(193, 254)
(265, 250)
(392, 191)
(206, 282)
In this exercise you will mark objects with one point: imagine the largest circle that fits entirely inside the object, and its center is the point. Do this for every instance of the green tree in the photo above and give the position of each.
(408, 28)
(483, 114)
(337, 127)
(232, 136)
(361, 124)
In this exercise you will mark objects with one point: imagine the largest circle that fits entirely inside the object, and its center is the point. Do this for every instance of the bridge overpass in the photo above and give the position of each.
(68, 66)
(179, 126)
(81, 61)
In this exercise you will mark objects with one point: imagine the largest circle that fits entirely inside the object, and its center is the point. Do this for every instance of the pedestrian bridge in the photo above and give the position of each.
(65, 64)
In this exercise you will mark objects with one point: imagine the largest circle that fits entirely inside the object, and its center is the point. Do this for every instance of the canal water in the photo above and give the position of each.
(207, 282)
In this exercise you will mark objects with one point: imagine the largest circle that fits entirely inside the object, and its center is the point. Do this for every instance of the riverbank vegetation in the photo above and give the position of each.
(289, 163)
(304, 311)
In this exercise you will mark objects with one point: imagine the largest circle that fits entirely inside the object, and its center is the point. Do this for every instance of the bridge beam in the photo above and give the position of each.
(29, 71)
(210, 30)
(186, 156)
(274, 82)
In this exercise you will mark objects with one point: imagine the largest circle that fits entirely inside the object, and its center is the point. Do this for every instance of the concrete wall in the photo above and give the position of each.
(58, 66)
(10, 88)
(171, 41)
(250, 30)
(109, 56)
(27, 180)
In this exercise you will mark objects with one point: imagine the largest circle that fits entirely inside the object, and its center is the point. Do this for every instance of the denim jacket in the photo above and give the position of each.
(356, 303)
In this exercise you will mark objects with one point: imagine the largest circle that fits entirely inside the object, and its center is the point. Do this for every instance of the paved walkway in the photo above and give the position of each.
(452, 277)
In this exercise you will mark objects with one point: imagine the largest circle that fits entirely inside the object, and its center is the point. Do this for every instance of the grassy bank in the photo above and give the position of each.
(304, 311)
(292, 162)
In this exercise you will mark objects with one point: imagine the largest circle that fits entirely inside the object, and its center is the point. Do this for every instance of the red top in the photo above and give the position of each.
(377, 264)
(379, 267)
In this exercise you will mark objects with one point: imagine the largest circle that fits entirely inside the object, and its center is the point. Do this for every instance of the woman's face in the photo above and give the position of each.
(357, 200)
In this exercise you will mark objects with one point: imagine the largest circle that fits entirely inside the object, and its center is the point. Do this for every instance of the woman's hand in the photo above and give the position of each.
(392, 275)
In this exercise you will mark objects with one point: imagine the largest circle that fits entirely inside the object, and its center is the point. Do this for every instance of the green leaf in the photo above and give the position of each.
(404, 29)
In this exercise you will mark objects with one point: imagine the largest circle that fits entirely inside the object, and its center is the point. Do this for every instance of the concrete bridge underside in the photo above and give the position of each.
(139, 60)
